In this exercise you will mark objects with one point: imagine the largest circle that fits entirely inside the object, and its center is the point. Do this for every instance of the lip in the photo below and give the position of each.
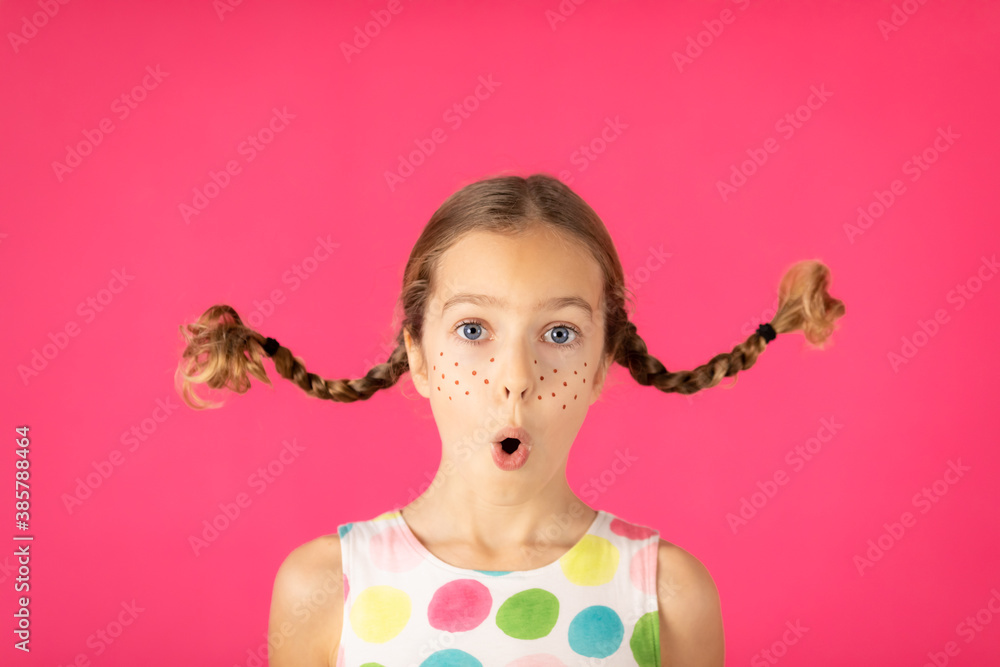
(513, 432)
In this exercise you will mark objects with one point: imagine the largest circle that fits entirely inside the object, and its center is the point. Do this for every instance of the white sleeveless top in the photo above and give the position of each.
(405, 607)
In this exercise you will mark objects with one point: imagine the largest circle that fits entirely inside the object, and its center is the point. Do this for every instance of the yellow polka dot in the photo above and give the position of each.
(591, 562)
(391, 514)
(380, 613)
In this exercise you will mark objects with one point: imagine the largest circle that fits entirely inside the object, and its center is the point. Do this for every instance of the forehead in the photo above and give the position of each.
(519, 273)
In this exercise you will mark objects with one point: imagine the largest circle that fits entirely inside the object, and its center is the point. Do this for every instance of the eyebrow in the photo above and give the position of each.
(485, 300)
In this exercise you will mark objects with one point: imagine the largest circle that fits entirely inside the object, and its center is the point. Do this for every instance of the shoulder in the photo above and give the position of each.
(691, 630)
(307, 605)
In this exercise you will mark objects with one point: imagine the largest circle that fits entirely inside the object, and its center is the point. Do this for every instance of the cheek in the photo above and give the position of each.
(464, 379)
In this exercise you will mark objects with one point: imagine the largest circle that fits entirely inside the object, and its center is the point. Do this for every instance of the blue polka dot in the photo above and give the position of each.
(494, 573)
(596, 632)
(451, 657)
(343, 529)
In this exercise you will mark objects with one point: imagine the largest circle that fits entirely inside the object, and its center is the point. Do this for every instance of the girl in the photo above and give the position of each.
(515, 308)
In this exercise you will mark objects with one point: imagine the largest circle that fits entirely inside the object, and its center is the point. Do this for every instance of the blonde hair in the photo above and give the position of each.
(222, 352)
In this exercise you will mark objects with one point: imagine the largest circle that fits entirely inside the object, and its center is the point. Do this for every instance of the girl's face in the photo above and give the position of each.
(513, 335)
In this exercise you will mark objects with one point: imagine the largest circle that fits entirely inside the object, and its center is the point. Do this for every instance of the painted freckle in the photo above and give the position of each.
(473, 372)
(456, 363)
(486, 381)
(541, 377)
(574, 397)
(442, 354)
(439, 388)
(442, 376)
(466, 393)
(449, 398)
(539, 397)
(574, 372)
(585, 364)
(553, 394)
(456, 381)
(435, 368)
(585, 380)
(554, 370)
(491, 358)
(564, 384)
(564, 407)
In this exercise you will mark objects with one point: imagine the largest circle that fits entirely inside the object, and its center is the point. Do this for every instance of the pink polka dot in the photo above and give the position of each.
(537, 660)
(459, 605)
(341, 656)
(347, 587)
(630, 530)
(642, 569)
(390, 551)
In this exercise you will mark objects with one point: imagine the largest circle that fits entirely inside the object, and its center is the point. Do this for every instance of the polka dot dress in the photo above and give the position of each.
(403, 606)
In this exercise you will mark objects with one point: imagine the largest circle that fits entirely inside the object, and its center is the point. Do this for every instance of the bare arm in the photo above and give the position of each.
(307, 606)
(691, 633)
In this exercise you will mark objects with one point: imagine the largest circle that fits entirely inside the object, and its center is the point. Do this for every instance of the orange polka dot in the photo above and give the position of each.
(449, 398)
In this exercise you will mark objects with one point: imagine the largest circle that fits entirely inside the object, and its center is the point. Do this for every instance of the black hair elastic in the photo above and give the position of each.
(767, 332)
(271, 346)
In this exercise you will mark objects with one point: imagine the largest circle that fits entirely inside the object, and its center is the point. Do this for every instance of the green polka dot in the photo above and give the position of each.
(645, 641)
(529, 614)
(372, 664)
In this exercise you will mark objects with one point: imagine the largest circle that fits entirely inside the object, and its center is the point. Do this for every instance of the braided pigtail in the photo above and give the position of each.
(803, 304)
(222, 352)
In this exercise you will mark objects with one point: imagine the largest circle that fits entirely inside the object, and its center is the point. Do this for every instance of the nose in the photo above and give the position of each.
(517, 371)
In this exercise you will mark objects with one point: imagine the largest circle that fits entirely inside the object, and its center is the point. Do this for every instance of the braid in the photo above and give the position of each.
(222, 352)
(803, 304)
(649, 371)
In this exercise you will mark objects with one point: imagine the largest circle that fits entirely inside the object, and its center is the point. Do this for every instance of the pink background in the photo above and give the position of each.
(682, 128)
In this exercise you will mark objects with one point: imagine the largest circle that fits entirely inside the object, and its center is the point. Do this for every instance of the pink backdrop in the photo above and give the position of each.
(162, 157)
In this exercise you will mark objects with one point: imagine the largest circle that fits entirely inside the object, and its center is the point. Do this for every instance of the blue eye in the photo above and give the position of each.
(560, 334)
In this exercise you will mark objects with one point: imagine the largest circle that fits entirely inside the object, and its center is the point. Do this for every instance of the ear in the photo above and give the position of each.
(600, 377)
(418, 371)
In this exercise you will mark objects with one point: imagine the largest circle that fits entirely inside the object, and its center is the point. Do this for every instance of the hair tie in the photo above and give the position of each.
(271, 346)
(767, 332)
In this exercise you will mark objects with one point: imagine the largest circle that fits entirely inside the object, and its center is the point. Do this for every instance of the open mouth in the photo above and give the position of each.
(510, 445)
